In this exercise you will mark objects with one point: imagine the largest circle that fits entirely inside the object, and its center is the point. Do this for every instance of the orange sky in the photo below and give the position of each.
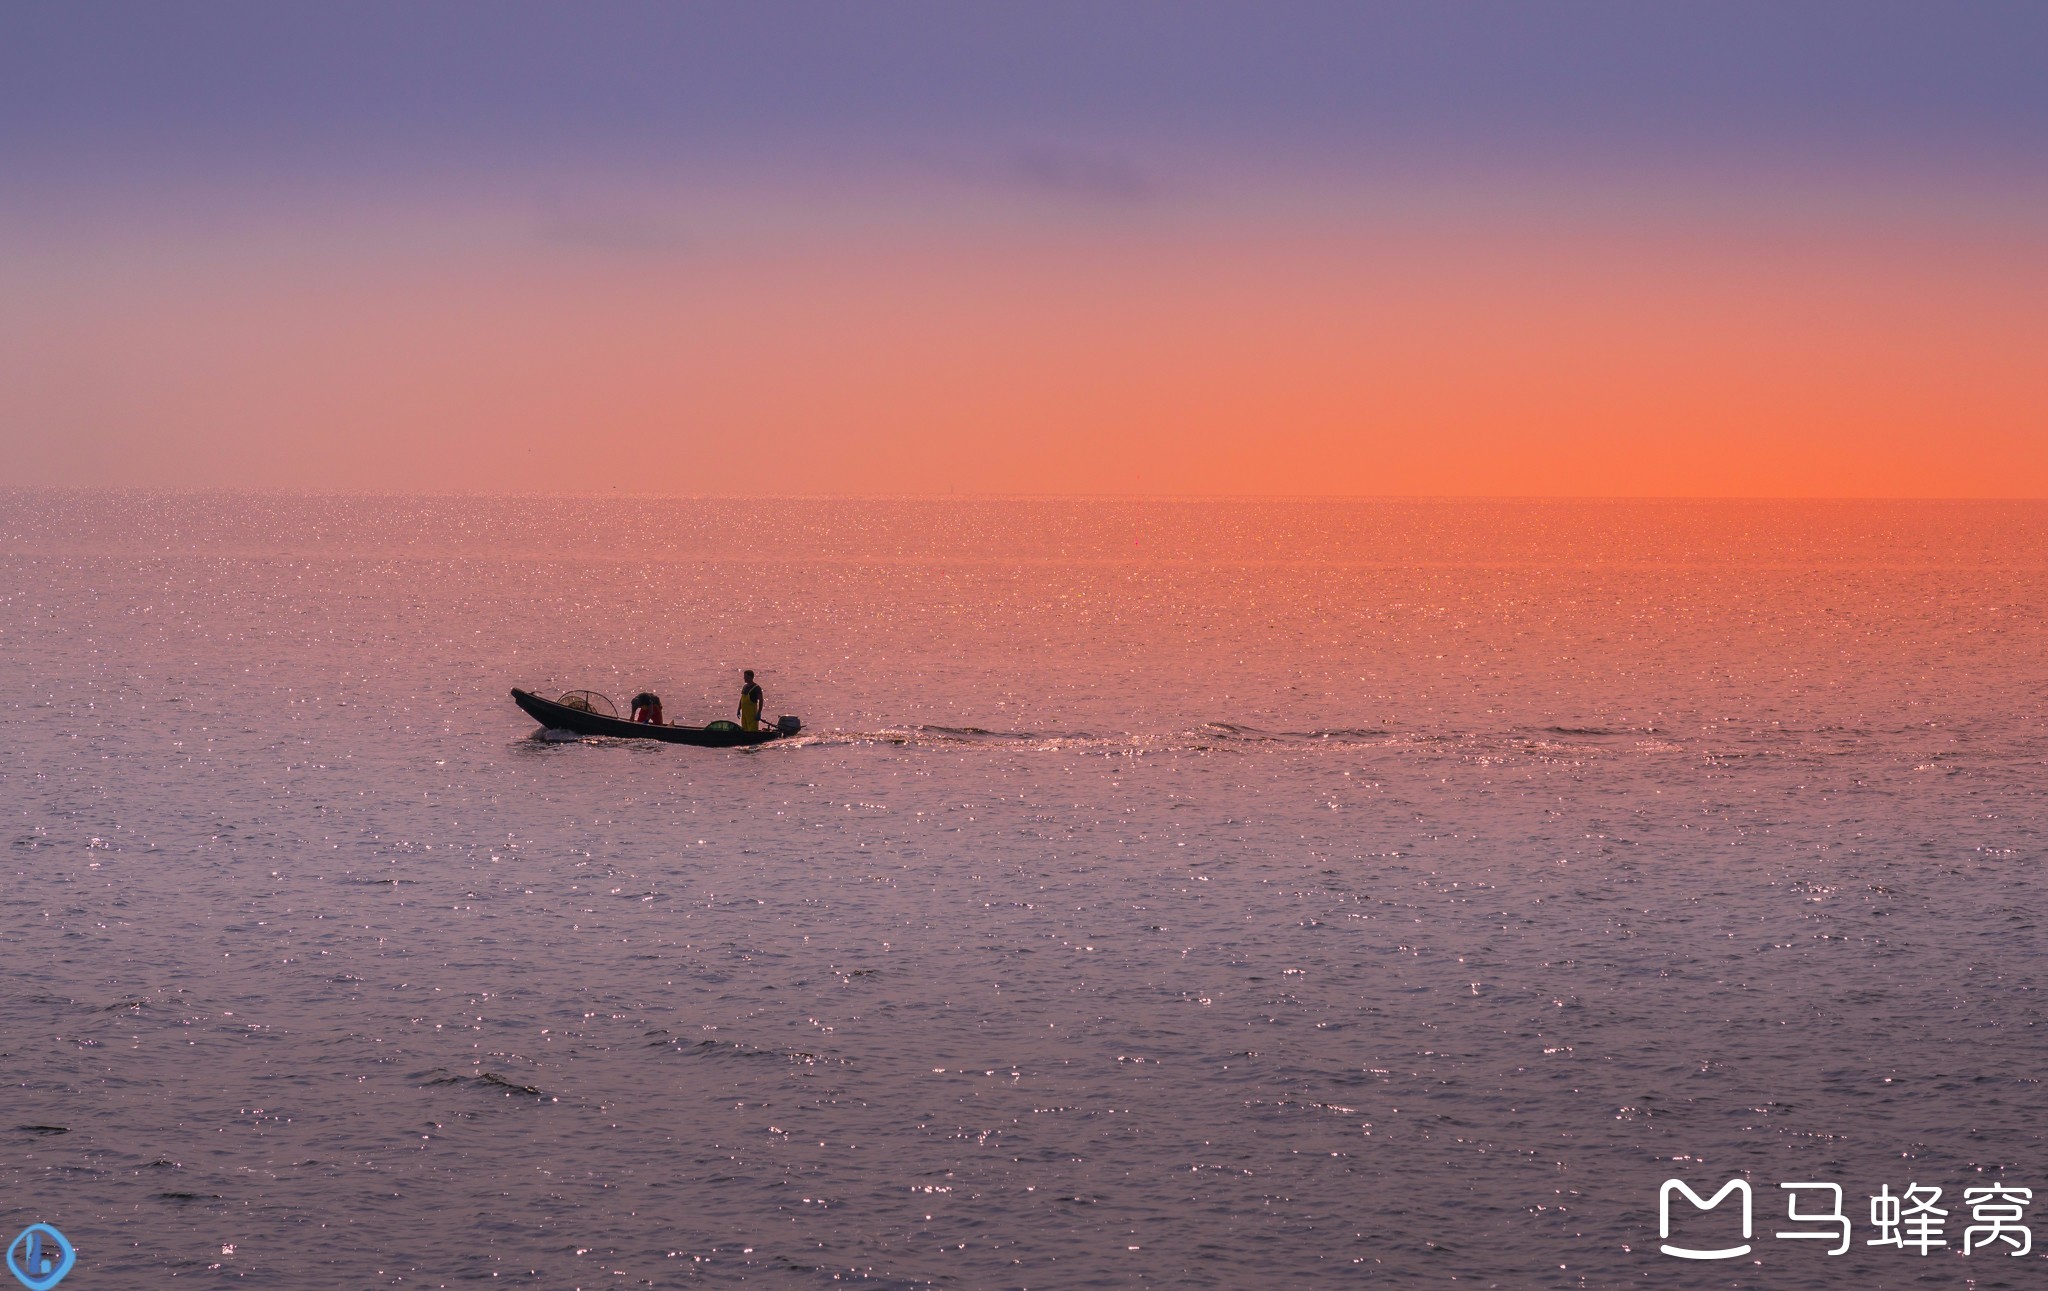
(1274, 351)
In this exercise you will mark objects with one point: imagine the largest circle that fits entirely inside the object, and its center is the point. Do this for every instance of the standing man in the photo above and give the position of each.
(750, 703)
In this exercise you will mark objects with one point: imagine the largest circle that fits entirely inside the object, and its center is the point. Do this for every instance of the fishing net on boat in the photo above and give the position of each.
(588, 701)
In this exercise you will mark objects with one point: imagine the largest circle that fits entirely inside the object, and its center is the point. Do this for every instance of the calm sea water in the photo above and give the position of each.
(1179, 893)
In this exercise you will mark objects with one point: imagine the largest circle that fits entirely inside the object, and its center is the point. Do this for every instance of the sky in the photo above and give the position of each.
(1455, 248)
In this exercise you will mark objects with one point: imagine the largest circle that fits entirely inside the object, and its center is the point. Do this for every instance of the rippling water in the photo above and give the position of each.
(1191, 893)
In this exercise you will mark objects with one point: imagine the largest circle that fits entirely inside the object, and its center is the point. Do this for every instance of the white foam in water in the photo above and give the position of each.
(1404, 890)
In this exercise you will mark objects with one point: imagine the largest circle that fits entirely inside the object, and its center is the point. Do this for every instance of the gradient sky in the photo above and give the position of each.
(1448, 248)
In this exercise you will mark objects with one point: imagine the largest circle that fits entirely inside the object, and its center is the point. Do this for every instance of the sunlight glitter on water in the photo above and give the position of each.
(1416, 902)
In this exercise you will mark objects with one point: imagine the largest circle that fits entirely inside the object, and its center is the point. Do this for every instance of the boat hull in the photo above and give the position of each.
(557, 717)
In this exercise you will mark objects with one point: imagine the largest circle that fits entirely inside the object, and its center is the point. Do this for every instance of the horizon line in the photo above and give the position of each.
(620, 495)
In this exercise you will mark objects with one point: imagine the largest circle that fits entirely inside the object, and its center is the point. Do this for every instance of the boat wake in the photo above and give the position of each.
(1576, 742)
(1208, 737)
(1336, 735)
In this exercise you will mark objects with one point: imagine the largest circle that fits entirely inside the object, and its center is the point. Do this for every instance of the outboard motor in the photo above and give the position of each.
(788, 725)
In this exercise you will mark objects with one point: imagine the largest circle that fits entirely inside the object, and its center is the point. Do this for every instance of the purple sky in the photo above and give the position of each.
(1097, 97)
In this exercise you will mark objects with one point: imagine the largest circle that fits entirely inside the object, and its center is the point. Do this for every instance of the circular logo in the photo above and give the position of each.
(39, 1257)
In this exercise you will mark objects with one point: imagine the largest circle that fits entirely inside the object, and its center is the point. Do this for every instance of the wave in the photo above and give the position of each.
(976, 734)
(742, 1050)
(490, 1080)
(1336, 734)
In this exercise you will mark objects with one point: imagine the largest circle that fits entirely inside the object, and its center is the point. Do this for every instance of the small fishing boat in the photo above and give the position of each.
(588, 713)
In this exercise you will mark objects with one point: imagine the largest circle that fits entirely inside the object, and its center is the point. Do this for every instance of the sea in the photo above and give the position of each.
(1180, 892)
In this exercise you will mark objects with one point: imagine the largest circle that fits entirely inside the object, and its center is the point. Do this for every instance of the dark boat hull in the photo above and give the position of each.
(557, 717)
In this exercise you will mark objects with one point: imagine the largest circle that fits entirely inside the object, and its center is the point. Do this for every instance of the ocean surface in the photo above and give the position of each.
(1179, 893)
